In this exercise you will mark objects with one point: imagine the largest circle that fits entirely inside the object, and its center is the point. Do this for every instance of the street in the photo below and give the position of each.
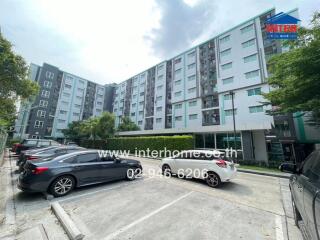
(153, 207)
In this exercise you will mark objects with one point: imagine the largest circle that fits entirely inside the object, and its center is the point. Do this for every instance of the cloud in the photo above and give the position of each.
(180, 25)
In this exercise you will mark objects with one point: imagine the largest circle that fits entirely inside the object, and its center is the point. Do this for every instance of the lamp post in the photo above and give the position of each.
(234, 120)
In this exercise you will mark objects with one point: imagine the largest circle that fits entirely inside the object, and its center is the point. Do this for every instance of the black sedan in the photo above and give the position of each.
(49, 152)
(60, 175)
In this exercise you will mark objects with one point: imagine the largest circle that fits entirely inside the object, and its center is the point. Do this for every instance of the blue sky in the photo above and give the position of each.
(109, 41)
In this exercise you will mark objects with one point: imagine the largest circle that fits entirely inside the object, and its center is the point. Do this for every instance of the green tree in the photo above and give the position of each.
(74, 131)
(106, 125)
(127, 125)
(90, 127)
(14, 82)
(295, 74)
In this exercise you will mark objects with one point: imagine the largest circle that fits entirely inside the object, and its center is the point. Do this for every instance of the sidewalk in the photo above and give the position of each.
(265, 173)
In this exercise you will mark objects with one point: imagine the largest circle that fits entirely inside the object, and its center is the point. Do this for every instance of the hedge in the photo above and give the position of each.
(132, 144)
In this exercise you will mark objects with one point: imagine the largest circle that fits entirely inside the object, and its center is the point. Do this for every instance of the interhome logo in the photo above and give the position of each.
(282, 26)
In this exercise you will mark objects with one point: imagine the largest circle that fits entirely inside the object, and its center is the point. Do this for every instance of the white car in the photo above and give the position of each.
(203, 164)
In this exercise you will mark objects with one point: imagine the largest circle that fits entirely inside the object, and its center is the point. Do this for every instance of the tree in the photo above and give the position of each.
(127, 125)
(14, 82)
(295, 75)
(74, 131)
(106, 125)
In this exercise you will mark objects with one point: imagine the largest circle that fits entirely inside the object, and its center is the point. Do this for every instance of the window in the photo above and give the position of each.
(49, 75)
(47, 84)
(192, 54)
(255, 91)
(193, 116)
(160, 77)
(226, 66)
(140, 122)
(63, 112)
(61, 121)
(77, 106)
(178, 106)
(43, 103)
(79, 97)
(80, 89)
(192, 90)
(252, 74)
(141, 94)
(191, 66)
(256, 109)
(246, 29)
(100, 96)
(225, 39)
(133, 105)
(38, 124)
(225, 52)
(229, 112)
(227, 80)
(178, 118)
(178, 82)
(158, 120)
(133, 114)
(45, 94)
(66, 94)
(192, 103)
(141, 113)
(159, 87)
(87, 158)
(160, 67)
(311, 167)
(64, 103)
(67, 86)
(159, 109)
(177, 94)
(141, 103)
(78, 114)
(178, 60)
(81, 82)
(249, 43)
(192, 77)
(178, 71)
(159, 98)
(41, 113)
(228, 97)
(250, 58)
(134, 96)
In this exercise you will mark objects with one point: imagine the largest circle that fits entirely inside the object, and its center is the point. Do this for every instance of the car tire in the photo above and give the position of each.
(132, 173)
(296, 213)
(213, 180)
(166, 170)
(62, 186)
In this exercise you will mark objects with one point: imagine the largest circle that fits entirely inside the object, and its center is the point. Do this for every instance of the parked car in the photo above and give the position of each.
(72, 143)
(305, 192)
(46, 153)
(23, 154)
(60, 175)
(209, 165)
(34, 143)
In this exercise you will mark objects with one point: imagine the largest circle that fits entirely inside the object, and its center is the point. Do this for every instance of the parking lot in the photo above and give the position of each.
(153, 207)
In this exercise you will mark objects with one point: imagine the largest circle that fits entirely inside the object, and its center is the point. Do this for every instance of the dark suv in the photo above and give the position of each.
(305, 192)
(27, 144)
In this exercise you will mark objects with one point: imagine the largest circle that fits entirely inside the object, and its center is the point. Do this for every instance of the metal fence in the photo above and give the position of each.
(3, 140)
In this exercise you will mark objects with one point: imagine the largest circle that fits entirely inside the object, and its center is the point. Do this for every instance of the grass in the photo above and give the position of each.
(259, 168)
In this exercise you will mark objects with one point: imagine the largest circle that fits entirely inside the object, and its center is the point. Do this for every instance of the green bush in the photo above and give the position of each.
(133, 144)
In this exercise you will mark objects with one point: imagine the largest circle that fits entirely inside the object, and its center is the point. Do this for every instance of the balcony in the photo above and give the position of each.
(210, 117)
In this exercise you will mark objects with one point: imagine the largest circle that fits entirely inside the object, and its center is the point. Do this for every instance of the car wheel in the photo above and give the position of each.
(213, 180)
(62, 186)
(166, 170)
(296, 214)
(132, 173)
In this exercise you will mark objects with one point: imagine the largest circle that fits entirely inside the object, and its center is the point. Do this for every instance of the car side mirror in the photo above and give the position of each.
(288, 168)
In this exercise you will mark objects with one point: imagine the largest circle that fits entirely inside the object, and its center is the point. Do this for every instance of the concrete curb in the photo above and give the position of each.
(279, 175)
(68, 225)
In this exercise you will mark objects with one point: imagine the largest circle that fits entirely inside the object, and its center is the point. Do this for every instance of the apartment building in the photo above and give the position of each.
(191, 92)
(63, 98)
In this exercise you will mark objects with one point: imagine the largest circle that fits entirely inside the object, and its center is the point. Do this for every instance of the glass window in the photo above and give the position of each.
(177, 94)
(158, 120)
(225, 39)
(246, 29)
(250, 58)
(192, 90)
(193, 116)
(178, 82)
(256, 109)
(178, 106)
(252, 74)
(249, 43)
(178, 118)
(192, 77)
(229, 112)
(227, 80)
(225, 52)
(311, 166)
(226, 66)
(254, 91)
(159, 109)
(192, 103)
(191, 66)
(87, 158)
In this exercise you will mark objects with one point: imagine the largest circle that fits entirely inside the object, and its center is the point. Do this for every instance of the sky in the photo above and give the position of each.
(110, 41)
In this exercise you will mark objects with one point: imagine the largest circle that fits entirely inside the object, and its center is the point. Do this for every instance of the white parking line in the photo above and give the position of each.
(125, 228)
(279, 231)
(98, 191)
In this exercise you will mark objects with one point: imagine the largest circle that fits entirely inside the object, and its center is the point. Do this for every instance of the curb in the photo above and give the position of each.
(68, 225)
(264, 173)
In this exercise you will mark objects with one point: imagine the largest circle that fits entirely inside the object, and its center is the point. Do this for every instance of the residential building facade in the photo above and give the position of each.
(191, 92)
(63, 98)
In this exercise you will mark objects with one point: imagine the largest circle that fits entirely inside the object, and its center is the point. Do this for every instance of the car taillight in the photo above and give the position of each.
(39, 170)
(32, 158)
(221, 163)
